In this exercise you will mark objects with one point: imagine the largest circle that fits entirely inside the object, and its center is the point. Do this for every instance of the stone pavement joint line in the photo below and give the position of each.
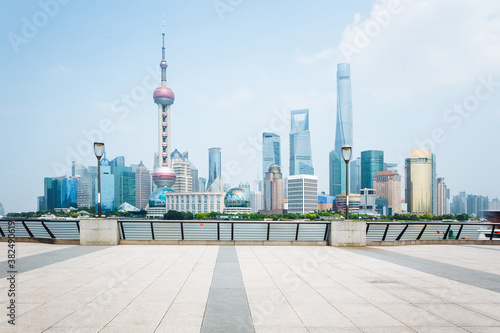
(465, 275)
(227, 307)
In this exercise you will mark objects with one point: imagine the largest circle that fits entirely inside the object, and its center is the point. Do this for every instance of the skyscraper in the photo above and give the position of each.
(214, 170)
(69, 188)
(443, 197)
(343, 130)
(182, 168)
(52, 192)
(84, 189)
(300, 144)
(355, 176)
(421, 182)
(194, 172)
(270, 151)
(274, 189)
(142, 186)
(372, 162)
(164, 175)
(388, 186)
(107, 187)
(302, 194)
(124, 185)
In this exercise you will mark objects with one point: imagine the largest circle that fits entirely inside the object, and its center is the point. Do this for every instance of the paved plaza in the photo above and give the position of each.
(151, 288)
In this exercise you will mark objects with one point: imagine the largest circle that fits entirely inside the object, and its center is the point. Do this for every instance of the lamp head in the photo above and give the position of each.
(98, 149)
(346, 153)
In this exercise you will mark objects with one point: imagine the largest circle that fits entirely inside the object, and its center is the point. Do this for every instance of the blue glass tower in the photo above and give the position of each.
(270, 151)
(343, 131)
(107, 187)
(372, 162)
(214, 170)
(69, 190)
(300, 144)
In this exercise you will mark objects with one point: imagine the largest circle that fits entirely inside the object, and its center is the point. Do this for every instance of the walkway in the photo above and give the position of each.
(426, 288)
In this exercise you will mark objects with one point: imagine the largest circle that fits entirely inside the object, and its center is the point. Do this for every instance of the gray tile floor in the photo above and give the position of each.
(426, 288)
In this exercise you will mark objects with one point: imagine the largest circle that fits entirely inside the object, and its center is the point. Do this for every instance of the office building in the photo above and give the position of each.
(124, 185)
(420, 194)
(270, 151)
(118, 161)
(391, 167)
(256, 201)
(69, 188)
(214, 170)
(202, 184)
(355, 176)
(459, 204)
(443, 197)
(495, 205)
(477, 205)
(336, 174)
(274, 189)
(107, 187)
(325, 203)
(302, 194)
(195, 203)
(182, 169)
(354, 203)
(343, 130)
(142, 186)
(40, 204)
(387, 185)
(84, 187)
(52, 192)
(300, 144)
(372, 162)
(194, 173)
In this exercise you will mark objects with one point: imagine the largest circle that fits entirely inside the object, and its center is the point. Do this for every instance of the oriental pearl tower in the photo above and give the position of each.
(163, 174)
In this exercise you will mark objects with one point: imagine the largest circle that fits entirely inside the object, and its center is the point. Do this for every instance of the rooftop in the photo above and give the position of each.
(151, 288)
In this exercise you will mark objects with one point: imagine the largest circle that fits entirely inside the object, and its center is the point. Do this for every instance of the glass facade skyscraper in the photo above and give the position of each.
(270, 151)
(372, 162)
(124, 185)
(421, 187)
(69, 190)
(300, 144)
(343, 131)
(214, 170)
(142, 186)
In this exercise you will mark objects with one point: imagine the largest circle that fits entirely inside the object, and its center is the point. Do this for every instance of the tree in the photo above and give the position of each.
(173, 215)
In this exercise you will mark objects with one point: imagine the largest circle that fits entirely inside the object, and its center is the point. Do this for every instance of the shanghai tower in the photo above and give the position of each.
(344, 129)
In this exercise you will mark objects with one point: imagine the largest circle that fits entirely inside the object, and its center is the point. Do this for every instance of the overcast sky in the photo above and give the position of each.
(424, 73)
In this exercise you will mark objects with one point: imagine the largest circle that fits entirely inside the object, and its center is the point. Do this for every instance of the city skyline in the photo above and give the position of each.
(396, 106)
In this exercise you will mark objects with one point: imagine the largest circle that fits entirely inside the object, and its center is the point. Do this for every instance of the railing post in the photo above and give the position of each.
(492, 231)
(218, 230)
(123, 229)
(48, 231)
(232, 230)
(152, 230)
(447, 231)
(459, 232)
(385, 232)
(297, 232)
(268, 230)
(402, 232)
(422, 232)
(1, 232)
(28, 230)
(182, 230)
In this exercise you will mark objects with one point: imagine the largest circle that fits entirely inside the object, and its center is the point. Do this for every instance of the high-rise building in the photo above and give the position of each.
(459, 204)
(69, 188)
(107, 187)
(302, 194)
(214, 170)
(388, 186)
(300, 144)
(372, 162)
(274, 189)
(40, 204)
(202, 184)
(337, 174)
(142, 186)
(270, 151)
(391, 167)
(443, 197)
(343, 130)
(84, 190)
(118, 161)
(163, 175)
(477, 205)
(495, 204)
(421, 182)
(256, 201)
(182, 168)
(194, 173)
(355, 176)
(52, 192)
(124, 185)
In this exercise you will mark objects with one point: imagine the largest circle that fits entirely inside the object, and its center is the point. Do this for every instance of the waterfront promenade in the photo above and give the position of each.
(148, 288)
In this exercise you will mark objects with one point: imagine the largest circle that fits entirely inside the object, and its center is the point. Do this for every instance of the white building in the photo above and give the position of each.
(195, 203)
(302, 194)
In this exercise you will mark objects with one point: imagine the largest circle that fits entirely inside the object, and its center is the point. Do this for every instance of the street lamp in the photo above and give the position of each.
(99, 151)
(346, 155)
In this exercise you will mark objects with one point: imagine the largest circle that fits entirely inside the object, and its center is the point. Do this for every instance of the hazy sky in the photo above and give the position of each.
(423, 73)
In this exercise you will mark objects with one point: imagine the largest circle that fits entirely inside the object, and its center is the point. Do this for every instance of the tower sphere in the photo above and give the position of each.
(164, 177)
(164, 96)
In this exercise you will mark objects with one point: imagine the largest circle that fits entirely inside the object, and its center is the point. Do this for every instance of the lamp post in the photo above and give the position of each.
(99, 151)
(346, 155)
